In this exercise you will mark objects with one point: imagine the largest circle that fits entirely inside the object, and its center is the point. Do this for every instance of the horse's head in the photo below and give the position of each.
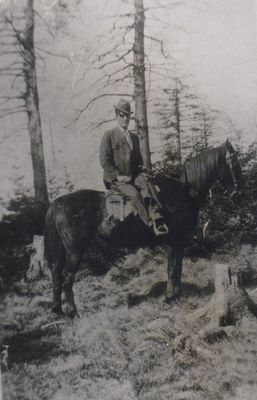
(230, 171)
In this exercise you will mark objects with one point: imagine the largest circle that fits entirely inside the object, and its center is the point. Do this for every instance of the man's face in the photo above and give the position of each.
(123, 119)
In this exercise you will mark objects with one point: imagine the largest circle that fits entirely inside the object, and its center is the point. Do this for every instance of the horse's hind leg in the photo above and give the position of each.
(72, 262)
(54, 255)
(56, 272)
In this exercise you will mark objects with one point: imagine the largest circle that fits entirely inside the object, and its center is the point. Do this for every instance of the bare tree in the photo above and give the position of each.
(175, 110)
(204, 117)
(32, 106)
(18, 27)
(139, 82)
(120, 66)
(187, 124)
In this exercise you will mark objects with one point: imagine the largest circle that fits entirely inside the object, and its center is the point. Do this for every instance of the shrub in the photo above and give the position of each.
(24, 218)
(230, 223)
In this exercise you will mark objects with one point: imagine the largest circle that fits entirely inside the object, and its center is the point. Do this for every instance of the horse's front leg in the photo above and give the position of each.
(72, 262)
(174, 271)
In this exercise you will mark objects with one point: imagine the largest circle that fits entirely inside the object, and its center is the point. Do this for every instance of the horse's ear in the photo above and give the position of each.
(229, 146)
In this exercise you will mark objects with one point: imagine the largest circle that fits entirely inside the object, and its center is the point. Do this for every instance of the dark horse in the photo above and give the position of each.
(73, 221)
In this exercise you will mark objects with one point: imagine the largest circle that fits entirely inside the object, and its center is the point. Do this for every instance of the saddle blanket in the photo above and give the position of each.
(118, 205)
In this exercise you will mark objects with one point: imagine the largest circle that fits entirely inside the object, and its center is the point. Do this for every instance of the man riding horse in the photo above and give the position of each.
(73, 222)
(122, 164)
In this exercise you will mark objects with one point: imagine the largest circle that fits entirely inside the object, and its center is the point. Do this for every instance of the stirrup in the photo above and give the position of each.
(162, 229)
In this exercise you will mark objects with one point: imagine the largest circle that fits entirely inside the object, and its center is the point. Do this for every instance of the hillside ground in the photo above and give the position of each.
(115, 351)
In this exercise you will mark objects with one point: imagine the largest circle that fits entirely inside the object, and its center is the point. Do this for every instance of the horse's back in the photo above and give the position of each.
(80, 199)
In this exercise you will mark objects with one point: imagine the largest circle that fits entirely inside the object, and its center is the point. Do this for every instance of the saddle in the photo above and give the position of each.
(118, 206)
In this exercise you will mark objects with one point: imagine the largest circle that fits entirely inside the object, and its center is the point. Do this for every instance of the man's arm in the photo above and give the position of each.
(106, 157)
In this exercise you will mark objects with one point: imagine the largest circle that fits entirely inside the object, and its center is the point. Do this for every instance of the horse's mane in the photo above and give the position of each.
(200, 171)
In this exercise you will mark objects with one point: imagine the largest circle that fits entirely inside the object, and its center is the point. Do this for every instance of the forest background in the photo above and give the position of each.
(200, 62)
(207, 49)
(200, 88)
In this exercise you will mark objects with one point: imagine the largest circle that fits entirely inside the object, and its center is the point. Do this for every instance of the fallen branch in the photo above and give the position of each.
(55, 323)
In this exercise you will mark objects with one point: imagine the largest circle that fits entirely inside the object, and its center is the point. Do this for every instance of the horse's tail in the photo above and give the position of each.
(53, 246)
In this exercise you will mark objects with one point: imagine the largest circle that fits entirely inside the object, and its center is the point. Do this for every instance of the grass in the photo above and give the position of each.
(116, 352)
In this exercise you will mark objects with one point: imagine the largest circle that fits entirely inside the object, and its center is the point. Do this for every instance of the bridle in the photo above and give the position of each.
(230, 157)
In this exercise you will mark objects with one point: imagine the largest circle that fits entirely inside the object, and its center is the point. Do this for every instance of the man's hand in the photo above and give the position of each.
(124, 179)
(146, 172)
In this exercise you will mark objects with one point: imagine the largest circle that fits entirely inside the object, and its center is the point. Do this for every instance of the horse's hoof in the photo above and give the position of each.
(133, 300)
(72, 314)
(174, 299)
(171, 299)
(58, 310)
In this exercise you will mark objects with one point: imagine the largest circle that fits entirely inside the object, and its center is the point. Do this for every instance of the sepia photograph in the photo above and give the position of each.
(128, 199)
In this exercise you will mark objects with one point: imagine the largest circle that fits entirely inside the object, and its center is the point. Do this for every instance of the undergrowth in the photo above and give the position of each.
(118, 352)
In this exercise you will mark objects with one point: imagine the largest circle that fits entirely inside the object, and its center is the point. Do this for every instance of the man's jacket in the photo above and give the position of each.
(116, 156)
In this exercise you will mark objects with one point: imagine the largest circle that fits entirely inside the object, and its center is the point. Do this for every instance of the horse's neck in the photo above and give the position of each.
(201, 175)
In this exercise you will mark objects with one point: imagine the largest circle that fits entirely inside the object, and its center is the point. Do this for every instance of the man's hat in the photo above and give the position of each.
(123, 106)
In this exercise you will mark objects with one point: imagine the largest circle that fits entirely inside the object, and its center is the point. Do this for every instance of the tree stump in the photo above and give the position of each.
(229, 303)
(37, 267)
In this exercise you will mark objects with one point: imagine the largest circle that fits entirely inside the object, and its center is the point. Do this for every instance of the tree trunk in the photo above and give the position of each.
(37, 265)
(32, 106)
(177, 114)
(139, 83)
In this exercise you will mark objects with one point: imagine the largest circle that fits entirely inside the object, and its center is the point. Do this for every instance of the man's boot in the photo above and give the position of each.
(159, 226)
